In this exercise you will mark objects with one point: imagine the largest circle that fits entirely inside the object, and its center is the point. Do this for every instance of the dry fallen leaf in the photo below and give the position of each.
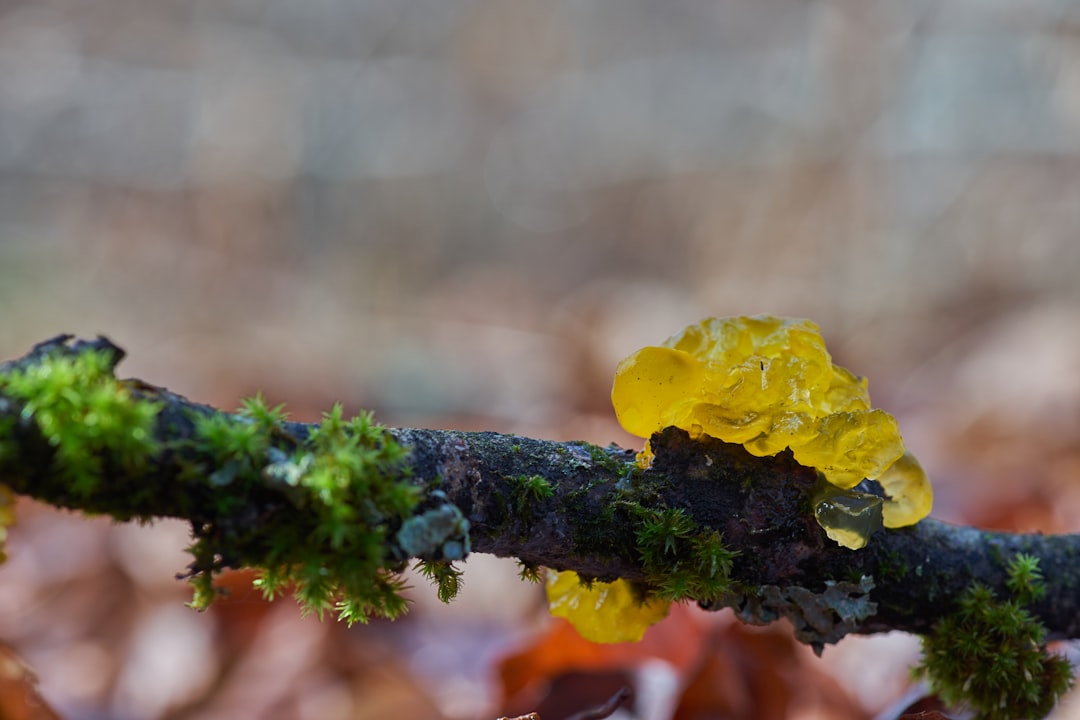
(19, 698)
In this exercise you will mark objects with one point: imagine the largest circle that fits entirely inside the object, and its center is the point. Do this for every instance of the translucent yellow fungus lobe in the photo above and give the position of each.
(602, 612)
(848, 517)
(658, 385)
(852, 446)
(908, 488)
(768, 383)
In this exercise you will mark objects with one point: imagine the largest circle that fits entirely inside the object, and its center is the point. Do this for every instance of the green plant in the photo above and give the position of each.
(347, 480)
(990, 654)
(89, 418)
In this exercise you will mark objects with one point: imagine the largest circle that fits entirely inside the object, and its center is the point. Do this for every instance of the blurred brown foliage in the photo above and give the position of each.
(19, 698)
(464, 213)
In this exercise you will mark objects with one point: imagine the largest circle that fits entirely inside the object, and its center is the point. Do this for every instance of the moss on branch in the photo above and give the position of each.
(336, 510)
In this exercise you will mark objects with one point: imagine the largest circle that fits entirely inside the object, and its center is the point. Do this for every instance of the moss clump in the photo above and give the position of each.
(528, 572)
(89, 418)
(345, 483)
(447, 578)
(1026, 581)
(990, 654)
(683, 560)
(529, 489)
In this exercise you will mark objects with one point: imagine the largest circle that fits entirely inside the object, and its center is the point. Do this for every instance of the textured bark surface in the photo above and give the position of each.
(905, 579)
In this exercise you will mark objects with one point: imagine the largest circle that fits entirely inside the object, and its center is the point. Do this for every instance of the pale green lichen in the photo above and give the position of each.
(441, 533)
(819, 618)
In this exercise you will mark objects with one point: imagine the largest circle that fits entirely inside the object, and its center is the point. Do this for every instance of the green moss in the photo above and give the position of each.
(990, 654)
(90, 419)
(529, 489)
(602, 458)
(446, 577)
(528, 572)
(683, 561)
(660, 533)
(337, 552)
(892, 567)
(240, 446)
(1026, 580)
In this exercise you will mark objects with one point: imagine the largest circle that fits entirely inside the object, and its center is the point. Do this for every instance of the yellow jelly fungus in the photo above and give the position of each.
(852, 446)
(602, 612)
(908, 488)
(645, 457)
(768, 383)
(658, 385)
(848, 517)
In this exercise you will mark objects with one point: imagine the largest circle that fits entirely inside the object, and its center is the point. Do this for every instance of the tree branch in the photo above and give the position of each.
(785, 566)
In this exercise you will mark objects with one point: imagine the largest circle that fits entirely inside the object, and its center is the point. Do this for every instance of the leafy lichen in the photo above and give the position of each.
(441, 533)
(819, 617)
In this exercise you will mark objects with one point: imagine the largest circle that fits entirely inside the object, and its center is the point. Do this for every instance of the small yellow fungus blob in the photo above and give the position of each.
(769, 384)
(908, 488)
(602, 612)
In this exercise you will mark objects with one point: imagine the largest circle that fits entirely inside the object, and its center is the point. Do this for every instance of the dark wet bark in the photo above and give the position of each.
(760, 505)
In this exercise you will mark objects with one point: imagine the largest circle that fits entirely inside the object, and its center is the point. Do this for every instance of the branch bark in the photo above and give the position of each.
(906, 579)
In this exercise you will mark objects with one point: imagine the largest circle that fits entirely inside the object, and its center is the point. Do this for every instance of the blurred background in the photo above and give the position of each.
(463, 214)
